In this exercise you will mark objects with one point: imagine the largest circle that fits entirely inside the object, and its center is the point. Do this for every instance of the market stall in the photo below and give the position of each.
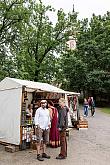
(15, 95)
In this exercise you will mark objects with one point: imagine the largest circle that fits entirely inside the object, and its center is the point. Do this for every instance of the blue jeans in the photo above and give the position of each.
(86, 110)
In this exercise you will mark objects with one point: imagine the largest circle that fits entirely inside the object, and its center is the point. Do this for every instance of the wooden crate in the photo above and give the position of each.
(82, 124)
(11, 148)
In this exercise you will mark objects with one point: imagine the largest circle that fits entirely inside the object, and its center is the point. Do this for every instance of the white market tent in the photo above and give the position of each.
(11, 83)
(11, 102)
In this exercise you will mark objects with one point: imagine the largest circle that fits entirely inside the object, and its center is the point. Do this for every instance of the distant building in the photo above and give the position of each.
(71, 44)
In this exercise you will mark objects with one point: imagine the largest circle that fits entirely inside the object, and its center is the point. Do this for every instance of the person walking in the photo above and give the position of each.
(86, 106)
(92, 107)
(89, 102)
(42, 127)
(62, 125)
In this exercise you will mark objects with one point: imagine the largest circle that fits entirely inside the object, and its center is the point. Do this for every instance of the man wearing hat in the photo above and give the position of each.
(42, 124)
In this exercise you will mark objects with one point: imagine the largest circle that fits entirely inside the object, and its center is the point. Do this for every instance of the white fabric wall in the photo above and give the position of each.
(10, 114)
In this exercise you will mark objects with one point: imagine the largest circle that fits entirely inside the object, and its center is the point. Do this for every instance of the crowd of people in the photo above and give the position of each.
(50, 128)
(89, 104)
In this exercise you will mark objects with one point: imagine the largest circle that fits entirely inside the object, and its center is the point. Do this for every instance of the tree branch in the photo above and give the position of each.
(5, 16)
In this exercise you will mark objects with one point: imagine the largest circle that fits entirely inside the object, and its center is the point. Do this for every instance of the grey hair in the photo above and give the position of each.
(62, 100)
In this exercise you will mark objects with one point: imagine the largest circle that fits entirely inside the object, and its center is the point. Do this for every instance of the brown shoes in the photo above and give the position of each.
(44, 155)
(60, 157)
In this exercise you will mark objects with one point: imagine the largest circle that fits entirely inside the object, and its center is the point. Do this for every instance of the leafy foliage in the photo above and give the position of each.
(32, 47)
(31, 35)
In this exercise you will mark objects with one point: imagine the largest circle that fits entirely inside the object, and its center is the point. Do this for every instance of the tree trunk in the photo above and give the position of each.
(36, 75)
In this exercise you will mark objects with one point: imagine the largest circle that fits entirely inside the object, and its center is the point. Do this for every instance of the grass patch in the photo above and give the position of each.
(105, 110)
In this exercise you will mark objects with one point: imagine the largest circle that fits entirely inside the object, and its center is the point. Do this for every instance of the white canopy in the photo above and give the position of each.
(10, 105)
(11, 83)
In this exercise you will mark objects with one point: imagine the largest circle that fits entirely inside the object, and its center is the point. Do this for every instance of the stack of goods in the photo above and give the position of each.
(27, 133)
(23, 114)
(82, 123)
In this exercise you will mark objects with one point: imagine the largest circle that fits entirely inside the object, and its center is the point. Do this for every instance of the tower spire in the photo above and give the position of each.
(73, 7)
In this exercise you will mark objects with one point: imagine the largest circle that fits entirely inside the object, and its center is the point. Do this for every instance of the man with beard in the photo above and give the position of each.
(42, 125)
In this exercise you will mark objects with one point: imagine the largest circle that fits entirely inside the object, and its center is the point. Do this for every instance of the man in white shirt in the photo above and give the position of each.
(42, 124)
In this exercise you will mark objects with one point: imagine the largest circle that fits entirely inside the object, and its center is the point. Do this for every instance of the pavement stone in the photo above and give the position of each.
(85, 147)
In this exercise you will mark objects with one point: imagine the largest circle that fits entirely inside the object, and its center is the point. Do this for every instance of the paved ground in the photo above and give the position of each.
(85, 147)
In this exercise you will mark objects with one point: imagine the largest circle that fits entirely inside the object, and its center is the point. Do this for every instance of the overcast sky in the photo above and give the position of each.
(85, 8)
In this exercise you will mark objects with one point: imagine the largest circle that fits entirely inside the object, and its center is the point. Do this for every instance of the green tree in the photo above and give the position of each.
(40, 39)
(87, 68)
(75, 72)
(12, 14)
(94, 50)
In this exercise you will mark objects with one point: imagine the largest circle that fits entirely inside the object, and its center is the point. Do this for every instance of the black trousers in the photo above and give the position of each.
(92, 111)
